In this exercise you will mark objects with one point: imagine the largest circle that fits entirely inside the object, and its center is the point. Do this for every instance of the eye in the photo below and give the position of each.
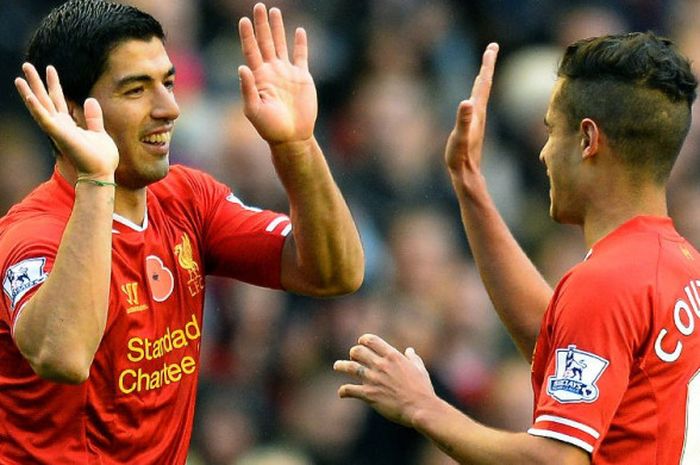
(170, 84)
(134, 92)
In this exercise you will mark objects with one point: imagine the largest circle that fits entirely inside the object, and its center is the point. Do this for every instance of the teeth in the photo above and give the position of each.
(162, 138)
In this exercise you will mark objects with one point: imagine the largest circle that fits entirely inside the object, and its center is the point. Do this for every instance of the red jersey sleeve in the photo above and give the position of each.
(26, 259)
(593, 334)
(238, 241)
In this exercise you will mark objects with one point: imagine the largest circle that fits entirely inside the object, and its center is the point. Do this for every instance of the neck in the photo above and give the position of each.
(128, 203)
(646, 200)
(131, 204)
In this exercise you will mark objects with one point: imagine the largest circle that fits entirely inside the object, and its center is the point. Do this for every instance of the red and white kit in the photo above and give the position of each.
(137, 405)
(616, 370)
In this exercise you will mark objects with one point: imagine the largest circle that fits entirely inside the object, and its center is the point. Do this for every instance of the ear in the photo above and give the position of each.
(76, 112)
(590, 138)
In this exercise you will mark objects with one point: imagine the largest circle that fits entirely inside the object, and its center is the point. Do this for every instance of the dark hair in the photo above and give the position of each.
(77, 37)
(638, 88)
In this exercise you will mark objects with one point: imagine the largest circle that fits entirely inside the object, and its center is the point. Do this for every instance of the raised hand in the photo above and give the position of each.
(279, 95)
(396, 385)
(91, 150)
(464, 146)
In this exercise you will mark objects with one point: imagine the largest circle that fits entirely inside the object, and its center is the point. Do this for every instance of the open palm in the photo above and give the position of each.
(464, 146)
(91, 150)
(279, 95)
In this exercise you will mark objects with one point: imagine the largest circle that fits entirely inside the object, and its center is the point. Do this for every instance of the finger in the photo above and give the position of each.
(263, 33)
(36, 109)
(351, 368)
(93, 115)
(249, 92)
(301, 49)
(249, 45)
(37, 86)
(377, 344)
(355, 391)
(278, 34)
(364, 355)
(55, 90)
(416, 359)
(482, 84)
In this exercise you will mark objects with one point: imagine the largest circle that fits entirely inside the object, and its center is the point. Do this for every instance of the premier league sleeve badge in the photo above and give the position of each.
(23, 276)
(576, 374)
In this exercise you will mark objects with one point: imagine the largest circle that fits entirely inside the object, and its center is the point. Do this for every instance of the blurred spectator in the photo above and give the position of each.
(25, 157)
(389, 75)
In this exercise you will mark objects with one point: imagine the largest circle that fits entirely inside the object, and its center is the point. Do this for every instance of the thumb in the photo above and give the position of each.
(249, 91)
(465, 110)
(93, 115)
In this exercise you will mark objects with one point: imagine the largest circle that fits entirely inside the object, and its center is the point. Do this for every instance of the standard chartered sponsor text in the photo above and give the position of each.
(142, 349)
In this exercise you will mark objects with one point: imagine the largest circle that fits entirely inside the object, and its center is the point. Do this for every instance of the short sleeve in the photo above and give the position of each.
(238, 241)
(27, 254)
(596, 332)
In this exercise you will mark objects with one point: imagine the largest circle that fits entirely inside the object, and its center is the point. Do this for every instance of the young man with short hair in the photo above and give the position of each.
(615, 349)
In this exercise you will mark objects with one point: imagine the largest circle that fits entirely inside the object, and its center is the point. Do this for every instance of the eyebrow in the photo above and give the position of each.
(141, 78)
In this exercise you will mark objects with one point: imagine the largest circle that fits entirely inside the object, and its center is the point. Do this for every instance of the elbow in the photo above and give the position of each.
(347, 283)
(353, 279)
(60, 368)
(346, 279)
(341, 283)
(353, 275)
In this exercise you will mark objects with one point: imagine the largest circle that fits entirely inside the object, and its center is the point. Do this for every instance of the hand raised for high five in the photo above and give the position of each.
(279, 95)
(464, 146)
(91, 150)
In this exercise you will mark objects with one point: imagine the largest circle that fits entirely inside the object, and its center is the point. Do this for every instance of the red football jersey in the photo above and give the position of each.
(616, 370)
(137, 405)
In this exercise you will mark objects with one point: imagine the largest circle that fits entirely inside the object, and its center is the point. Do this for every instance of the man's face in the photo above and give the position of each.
(562, 157)
(136, 95)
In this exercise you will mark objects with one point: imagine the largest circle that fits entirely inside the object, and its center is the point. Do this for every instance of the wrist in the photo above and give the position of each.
(425, 414)
(95, 180)
(466, 183)
(296, 147)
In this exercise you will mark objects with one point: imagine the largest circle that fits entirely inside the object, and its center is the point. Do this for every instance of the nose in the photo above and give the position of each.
(165, 106)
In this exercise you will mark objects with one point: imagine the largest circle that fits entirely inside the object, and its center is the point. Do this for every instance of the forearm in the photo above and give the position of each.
(518, 291)
(327, 256)
(62, 325)
(469, 442)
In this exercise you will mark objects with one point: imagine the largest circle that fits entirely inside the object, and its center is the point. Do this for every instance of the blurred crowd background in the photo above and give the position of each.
(389, 75)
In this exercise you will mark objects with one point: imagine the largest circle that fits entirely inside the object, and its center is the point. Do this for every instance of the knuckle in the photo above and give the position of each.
(383, 365)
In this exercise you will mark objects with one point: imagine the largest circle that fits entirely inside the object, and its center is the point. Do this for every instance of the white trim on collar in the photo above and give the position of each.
(130, 224)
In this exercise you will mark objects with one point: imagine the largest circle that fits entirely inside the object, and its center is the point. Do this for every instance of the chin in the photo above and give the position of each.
(140, 178)
(562, 218)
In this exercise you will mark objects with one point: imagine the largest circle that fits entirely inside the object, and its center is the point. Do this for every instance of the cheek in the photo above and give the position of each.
(119, 131)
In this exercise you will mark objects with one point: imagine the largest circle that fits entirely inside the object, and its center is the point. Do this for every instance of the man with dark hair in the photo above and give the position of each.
(615, 348)
(103, 265)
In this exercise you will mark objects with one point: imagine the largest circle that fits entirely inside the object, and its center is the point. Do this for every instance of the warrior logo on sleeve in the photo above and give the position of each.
(576, 374)
(23, 276)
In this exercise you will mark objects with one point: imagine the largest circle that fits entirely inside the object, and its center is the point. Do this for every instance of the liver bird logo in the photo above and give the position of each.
(183, 251)
(185, 258)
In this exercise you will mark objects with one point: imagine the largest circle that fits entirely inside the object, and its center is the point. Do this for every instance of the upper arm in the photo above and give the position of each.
(25, 263)
(594, 334)
(234, 240)
(560, 453)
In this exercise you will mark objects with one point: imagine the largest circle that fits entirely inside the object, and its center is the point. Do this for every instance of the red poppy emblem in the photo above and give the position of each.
(160, 278)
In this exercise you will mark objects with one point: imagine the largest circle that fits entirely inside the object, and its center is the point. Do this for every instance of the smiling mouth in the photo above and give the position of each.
(158, 139)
